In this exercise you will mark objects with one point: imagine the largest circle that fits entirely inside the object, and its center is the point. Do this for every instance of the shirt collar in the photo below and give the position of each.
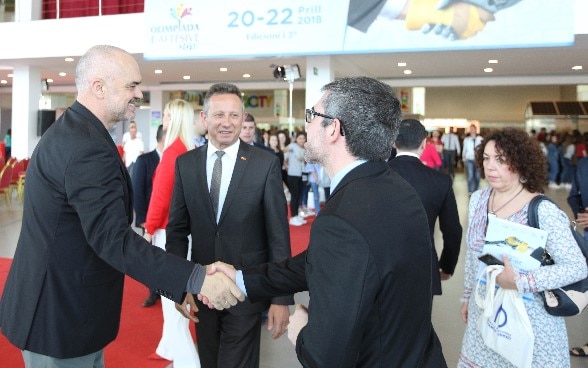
(200, 141)
(232, 150)
(412, 154)
(344, 171)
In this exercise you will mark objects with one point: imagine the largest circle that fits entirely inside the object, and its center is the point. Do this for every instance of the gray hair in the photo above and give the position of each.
(369, 113)
(221, 89)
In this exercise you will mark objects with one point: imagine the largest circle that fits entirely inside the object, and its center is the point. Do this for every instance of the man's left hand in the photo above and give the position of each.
(277, 319)
(188, 305)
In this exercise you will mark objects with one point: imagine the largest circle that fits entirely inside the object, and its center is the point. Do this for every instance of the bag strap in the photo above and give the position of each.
(533, 211)
(533, 220)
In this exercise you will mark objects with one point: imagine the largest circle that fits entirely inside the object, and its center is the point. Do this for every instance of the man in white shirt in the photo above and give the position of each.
(451, 149)
(132, 148)
(469, 149)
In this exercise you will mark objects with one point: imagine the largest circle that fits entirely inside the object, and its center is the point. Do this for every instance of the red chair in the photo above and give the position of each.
(5, 177)
(21, 179)
(16, 169)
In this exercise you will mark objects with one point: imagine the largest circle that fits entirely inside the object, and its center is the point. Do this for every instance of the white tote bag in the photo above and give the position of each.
(504, 323)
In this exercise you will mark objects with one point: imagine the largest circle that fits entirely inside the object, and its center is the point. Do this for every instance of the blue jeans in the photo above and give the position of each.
(473, 176)
(316, 196)
(553, 170)
(566, 170)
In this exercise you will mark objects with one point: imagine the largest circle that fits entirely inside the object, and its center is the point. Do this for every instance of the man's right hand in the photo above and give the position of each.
(211, 269)
(219, 290)
(225, 268)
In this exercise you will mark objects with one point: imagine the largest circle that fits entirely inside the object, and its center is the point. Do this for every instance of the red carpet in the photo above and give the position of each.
(139, 334)
(140, 328)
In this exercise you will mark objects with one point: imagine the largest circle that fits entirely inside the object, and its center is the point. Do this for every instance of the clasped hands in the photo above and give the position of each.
(224, 293)
(218, 291)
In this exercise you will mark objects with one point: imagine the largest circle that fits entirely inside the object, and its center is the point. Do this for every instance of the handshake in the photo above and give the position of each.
(218, 291)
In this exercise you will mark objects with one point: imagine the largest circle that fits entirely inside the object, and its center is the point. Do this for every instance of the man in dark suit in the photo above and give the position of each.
(142, 177)
(436, 192)
(250, 226)
(249, 132)
(63, 295)
(367, 267)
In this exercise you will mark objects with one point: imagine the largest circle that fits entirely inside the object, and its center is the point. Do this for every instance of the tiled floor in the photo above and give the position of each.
(280, 353)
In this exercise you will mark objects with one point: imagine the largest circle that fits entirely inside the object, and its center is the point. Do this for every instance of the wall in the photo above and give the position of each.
(492, 104)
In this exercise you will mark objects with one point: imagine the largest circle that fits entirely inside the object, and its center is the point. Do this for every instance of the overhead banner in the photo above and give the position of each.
(236, 28)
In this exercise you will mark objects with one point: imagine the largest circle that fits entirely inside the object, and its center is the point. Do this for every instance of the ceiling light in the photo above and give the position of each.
(69, 59)
(9, 75)
(62, 74)
(49, 80)
(488, 70)
(492, 61)
(158, 71)
(577, 67)
(401, 64)
(223, 69)
(246, 75)
(3, 81)
(186, 77)
(408, 71)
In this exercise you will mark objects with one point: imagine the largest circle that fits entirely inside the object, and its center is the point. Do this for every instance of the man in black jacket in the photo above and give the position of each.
(142, 177)
(436, 192)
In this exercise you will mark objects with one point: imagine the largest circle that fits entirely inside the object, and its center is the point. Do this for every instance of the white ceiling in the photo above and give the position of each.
(450, 68)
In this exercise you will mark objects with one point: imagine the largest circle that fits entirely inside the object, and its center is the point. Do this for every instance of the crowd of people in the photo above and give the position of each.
(216, 212)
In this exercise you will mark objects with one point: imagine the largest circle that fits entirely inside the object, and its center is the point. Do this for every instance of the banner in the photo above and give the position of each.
(236, 28)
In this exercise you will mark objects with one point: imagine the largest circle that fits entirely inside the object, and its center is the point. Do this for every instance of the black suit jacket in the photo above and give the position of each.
(367, 273)
(253, 226)
(63, 293)
(436, 192)
(263, 147)
(143, 184)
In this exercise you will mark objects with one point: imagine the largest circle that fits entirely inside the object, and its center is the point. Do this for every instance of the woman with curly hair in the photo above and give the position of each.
(516, 170)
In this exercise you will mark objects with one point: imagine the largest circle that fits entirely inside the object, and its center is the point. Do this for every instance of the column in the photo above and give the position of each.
(319, 71)
(26, 93)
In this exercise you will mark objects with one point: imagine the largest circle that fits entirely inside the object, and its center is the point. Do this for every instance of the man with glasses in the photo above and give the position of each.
(368, 264)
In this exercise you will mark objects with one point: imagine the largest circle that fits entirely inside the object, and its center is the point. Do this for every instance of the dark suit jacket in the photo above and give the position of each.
(143, 184)
(263, 147)
(253, 226)
(63, 294)
(367, 273)
(436, 192)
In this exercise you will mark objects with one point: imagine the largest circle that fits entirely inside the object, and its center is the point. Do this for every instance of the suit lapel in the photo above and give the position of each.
(243, 156)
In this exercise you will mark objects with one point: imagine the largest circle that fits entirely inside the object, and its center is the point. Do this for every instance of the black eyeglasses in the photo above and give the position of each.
(310, 114)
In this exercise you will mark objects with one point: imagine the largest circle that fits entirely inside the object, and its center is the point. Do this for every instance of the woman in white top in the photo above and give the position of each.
(295, 161)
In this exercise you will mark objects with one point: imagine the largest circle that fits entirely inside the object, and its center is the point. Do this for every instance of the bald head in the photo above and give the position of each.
(107, 80)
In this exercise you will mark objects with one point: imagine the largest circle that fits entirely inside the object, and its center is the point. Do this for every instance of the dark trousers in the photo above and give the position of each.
(295, 185)
(449, 157)
(226, 340)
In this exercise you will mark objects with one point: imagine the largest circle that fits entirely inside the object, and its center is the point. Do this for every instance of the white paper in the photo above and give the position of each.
(515, 240)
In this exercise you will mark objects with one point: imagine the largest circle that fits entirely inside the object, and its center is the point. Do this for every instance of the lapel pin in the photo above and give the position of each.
(243, 158)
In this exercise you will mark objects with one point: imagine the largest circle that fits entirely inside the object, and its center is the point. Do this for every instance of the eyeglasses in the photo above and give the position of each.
(310, 114)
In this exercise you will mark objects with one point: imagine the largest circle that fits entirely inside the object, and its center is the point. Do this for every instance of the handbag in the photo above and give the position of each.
(569, 300)
(504, 323)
